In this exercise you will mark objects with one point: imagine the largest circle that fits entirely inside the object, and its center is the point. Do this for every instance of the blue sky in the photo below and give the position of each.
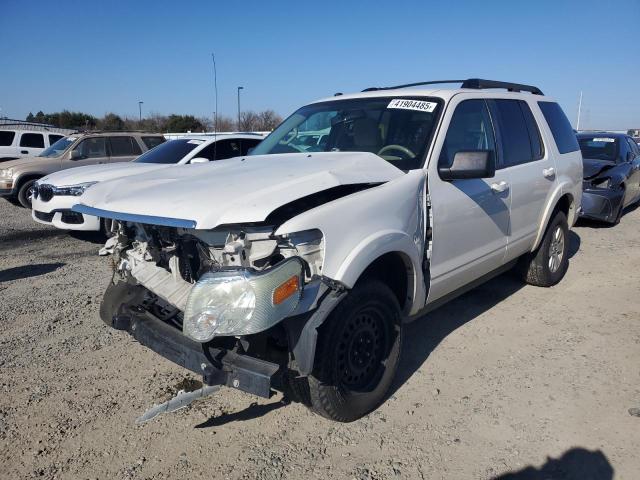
(99, 57)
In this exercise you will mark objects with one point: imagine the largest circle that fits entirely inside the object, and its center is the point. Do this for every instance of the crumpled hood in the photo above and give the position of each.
(592, 168)
(99, 173)
(237, 190)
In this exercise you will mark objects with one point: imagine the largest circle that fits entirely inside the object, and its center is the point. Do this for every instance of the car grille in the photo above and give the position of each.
(72, 218)
(45, 192)
(45, 217)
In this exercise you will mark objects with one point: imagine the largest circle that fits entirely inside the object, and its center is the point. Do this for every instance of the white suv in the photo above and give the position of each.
(22, 142)
(296, 267)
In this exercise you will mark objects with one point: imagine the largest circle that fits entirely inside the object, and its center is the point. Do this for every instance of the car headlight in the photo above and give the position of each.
(6, 173)
(72, 190)
(602, 183)
(242, 302)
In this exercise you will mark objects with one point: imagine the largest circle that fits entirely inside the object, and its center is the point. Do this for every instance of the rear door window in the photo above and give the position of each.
(124, 146)
(151, 142)
(560, 127)
(32, 140)
(6, 138)
(54, 138)
(514, 134)
(246, 144)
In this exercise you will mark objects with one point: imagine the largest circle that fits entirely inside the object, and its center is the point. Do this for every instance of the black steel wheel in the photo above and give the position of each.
(357, 353)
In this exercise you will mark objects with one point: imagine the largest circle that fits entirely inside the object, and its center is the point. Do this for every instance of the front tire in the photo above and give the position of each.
(548, 264)
(25, 193)
(357, 354)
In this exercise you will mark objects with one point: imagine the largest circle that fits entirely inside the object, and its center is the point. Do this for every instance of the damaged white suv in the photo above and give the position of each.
(295, 267)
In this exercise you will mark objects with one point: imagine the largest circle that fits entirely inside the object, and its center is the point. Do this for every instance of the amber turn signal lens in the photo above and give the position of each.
(285, 290)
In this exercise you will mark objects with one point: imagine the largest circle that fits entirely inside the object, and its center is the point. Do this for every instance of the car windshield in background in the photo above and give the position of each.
(169, 152)
(599, 148)
(58, 148)
(396, 129)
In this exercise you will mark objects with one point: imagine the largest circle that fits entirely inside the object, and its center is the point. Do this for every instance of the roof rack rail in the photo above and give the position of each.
(475, 83)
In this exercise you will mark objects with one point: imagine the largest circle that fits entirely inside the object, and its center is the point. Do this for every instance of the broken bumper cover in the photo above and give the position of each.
(217, 366)
(601, 204)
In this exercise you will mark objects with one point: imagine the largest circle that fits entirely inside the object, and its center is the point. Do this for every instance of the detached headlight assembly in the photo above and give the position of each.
(72, 190)
(242, 302)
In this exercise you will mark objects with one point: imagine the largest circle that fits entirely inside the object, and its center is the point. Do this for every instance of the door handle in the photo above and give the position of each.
(499, 187)
(24, 151)
(549, 172)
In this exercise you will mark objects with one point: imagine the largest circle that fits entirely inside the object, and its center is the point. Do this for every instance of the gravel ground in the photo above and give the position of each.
(508, 382)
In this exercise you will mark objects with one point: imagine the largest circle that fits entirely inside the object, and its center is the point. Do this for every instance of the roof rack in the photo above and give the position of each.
(475, 83)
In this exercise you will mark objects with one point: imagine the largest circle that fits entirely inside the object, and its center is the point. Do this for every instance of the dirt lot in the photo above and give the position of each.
(508, 378)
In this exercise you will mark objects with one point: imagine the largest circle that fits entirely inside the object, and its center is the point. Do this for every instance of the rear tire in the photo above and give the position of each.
(548, 264)
(357, 354)
(25, 193)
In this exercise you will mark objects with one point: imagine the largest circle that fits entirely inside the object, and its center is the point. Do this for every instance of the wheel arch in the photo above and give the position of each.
(561, 201)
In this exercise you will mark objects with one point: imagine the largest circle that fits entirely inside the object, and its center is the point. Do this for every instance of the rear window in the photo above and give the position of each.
(32, 140)
(560, 127)
(6, 138)
(151, 142)
(599, 148)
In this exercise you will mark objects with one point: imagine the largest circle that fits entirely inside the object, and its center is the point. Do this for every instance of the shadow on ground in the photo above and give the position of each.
(252, 411)
(27, 271)
(574, 464)
(422, 336)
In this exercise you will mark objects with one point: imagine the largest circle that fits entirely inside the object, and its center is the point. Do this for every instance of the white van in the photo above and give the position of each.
(23, 140)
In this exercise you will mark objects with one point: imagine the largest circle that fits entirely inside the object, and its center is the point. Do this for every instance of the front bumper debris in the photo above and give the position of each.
(217, 366)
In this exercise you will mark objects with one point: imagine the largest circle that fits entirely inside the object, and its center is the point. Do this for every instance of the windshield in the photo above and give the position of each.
(396, 129)
(169, 152)
(58, 148)
(599, 148)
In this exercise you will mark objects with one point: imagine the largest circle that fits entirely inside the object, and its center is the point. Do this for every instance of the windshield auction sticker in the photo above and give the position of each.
(604, 139)
(417, 105)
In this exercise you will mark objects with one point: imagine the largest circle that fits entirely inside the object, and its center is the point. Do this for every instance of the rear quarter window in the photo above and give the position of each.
(560, 127)
(6, 138)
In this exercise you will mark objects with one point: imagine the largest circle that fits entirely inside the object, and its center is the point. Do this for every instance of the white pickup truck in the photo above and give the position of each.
(296, 267)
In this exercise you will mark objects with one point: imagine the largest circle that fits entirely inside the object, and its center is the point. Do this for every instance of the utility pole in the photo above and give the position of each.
(140, 109)
(215, 91)
(579, 111)
(239, 88)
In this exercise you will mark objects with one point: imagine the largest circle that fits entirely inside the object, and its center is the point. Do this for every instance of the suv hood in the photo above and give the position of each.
(99, 173)
(29, 162)
(238, 190)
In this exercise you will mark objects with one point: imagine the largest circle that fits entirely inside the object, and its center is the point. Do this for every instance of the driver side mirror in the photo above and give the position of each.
(76, 155)
(199, 160)
(470, 164)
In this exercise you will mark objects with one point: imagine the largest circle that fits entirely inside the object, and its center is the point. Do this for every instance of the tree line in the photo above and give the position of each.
(266, 120)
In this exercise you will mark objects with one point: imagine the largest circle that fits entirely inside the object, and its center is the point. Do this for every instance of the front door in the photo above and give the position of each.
(470, 217)
(89, 151)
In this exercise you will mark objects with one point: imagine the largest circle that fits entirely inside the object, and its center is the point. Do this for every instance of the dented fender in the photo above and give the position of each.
(359, 228)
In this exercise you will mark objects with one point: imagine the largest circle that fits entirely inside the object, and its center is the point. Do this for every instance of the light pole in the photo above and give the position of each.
(239, 88)
(140, 109)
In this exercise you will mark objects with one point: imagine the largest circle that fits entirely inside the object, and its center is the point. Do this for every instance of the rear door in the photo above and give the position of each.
(30, 144)
(123, 148)
(530, 167)
(470, 216)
